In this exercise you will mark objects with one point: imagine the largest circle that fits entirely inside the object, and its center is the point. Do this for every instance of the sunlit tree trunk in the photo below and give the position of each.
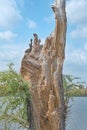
(42, 66)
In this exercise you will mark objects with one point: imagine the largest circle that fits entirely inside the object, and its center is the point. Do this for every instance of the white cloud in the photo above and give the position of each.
(77, 11)
(31, 24)
(76, 56)
(11, 53)
(9, 13)
(80, 32)
(76, 61)
(7, 35)
(77, 15)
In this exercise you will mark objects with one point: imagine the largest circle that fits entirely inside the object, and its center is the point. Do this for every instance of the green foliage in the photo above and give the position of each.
(73, 87)
(14, 93)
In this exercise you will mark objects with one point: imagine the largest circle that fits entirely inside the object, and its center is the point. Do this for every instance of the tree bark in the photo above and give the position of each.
(42, 66)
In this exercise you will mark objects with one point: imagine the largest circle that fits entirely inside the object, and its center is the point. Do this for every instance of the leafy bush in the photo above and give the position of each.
(15, 98)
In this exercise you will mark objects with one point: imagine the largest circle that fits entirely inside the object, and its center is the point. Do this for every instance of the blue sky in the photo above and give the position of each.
(19, 19)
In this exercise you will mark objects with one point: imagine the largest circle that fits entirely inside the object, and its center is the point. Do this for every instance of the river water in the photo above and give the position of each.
(77, 115)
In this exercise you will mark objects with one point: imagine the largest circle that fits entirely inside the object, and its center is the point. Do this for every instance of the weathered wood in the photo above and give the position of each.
(42, 66)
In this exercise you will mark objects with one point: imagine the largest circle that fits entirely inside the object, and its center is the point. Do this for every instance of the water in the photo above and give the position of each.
(77, 116)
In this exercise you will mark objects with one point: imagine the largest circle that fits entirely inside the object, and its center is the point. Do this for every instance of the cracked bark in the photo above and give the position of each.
(42, 66)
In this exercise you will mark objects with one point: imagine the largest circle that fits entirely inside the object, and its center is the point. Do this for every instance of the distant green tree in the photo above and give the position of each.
(72, 86)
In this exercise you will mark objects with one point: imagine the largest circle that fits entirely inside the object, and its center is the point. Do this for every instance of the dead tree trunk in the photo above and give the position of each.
(42, 66)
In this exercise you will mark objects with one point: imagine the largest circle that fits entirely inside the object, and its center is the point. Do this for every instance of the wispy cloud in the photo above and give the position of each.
(78, 57)
(77, 11)
(76, 61)
(31, 24)
(7, 35)
(76, 54)
(9, 13)
(77, 16)
(11, 53)
(80, 32)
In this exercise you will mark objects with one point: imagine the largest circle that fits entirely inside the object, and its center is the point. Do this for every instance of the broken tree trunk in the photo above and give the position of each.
(42, 66)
